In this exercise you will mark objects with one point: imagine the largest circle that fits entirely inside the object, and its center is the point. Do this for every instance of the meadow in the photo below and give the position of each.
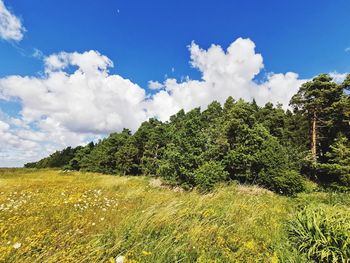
(56, 216)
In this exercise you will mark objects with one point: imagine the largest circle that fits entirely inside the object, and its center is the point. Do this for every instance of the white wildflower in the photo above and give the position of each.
(119, 259)
(17, 245)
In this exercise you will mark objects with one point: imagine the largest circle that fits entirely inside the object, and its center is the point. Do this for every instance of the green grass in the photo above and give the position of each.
(51, 216)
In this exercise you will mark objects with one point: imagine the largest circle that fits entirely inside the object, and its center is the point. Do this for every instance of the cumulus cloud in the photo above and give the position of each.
(61, 109)
(225, 73)
(11, 27)
(89, 100)
(78, 99)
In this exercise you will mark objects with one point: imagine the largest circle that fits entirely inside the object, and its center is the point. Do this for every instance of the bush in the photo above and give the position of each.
(335, 174)
(324, 236)
(273, 169)
(285, 182)
(208, 174)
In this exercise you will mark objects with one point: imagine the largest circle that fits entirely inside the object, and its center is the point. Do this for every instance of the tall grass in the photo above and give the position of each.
(322, 234)
(50, 216)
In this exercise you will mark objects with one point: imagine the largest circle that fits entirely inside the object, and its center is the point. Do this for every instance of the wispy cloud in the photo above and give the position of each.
(347, 49)
(11, 27)
(37, 53)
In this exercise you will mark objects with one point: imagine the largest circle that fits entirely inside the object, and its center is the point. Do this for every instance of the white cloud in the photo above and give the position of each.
(279, 88)
(224, 73)
(347, 49)
(89, 100)
(15, 148)
(70, 108)
(11, 27)
(338, 77)
(77, 99)
(154, 85)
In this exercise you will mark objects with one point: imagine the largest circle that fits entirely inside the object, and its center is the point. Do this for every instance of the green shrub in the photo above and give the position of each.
(335, 174)
(286, 182)
(208, 174)
(310, 186)
(323, 235)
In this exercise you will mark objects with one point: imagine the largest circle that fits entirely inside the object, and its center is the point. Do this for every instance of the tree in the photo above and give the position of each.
(182, 155)
(150, 139)
(81, 153)
(336, 171)
(317, 99)
(343, 108)
(239, 141)
(126, 158)
(58, 159)
(339, 151)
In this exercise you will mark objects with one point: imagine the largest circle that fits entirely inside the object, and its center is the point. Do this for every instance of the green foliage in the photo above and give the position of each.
(334, 175)
(286, 182)
(58, 159)
(322, 102)
(76, 163)
(150, 140)
(265, 145)
(245, 144)
(259, 158)
(208, 174)
(274, 171)
(317, 95)
(339, 151)
(336, 172)
(323, 235)
(176, 165)
(182, 154)
(238, 141)
(115, 154)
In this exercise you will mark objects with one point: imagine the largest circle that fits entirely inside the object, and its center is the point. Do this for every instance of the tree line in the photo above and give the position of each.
(237, 141)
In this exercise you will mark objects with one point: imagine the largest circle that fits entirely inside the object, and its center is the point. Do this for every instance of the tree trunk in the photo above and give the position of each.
(314, 137)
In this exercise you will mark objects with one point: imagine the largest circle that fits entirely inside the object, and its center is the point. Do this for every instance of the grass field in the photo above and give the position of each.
(51, 216)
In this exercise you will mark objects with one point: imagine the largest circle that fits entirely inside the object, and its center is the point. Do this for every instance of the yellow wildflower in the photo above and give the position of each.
(146, 253)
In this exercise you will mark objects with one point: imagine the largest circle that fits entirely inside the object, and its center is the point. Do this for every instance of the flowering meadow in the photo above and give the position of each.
(55, 216)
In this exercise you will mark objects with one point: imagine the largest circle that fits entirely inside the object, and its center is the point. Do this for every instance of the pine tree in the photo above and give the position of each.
(317, 99)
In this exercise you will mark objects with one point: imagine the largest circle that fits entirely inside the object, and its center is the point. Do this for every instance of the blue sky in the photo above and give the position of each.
(148, 38)
(151, 40)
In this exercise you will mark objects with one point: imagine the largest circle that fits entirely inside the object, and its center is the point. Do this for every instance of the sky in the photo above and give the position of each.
(75, 71)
